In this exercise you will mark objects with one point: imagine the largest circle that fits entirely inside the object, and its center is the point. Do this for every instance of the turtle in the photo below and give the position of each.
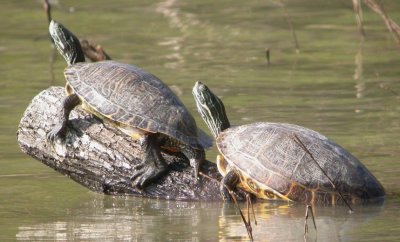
(281, 161)
(133, 100)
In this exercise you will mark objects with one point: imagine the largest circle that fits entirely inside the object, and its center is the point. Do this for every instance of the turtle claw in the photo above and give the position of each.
(56, 134)
(56, 138)
(145, 174)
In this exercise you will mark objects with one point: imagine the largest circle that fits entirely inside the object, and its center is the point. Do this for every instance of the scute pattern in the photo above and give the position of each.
(268, 153)
(132, 96)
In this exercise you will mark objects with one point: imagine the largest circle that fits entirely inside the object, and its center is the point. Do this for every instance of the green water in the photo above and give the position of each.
(333, 85)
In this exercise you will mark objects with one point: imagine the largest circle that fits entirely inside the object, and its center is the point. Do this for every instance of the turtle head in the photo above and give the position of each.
(67, 43)
(210, 108)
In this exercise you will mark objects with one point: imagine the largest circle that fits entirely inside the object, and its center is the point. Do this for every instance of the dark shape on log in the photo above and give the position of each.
(101, 158)
(94, 51)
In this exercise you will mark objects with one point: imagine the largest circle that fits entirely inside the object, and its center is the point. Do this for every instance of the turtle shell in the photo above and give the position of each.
(272, 164)
(131, 96)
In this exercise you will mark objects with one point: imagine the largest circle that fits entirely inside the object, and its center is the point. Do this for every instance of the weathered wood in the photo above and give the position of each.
(101, 158)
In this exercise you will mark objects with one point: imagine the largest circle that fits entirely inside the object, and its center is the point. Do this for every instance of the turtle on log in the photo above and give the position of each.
(284, 161)
(135, 101)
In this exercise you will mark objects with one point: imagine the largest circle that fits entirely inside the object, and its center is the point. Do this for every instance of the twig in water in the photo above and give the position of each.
(359, 17)
(309, 208)
(53, 55)
(250, 205)
(232, 194)
(299, 142)
(290, 23)
(47, 8)
(267, 55)
(393, 28)
(246, 223)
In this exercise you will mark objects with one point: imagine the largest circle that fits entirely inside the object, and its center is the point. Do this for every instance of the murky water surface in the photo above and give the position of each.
(337, 84)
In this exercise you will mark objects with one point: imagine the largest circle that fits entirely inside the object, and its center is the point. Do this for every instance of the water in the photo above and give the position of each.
(333, 85)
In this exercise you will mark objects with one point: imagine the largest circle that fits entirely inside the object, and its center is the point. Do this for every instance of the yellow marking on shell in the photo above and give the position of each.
(264, 191)
(253, 185)
(260, 190)
(290, 189)
(136, 136)
(333, 198)
(68, 89)
(133, 132)
(221, 165)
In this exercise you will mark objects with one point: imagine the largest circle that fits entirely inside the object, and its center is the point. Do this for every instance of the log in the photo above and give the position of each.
(101, 157)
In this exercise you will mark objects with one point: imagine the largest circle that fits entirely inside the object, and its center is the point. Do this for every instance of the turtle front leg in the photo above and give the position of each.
(195, 156)
(153, 165)
(60, 130)
(228, 183)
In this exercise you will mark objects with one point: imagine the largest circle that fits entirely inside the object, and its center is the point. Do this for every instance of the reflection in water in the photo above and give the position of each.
(284, 222)
(175, 59)
(177, 19)
(358, 72)
(180, 21)
(127, 218)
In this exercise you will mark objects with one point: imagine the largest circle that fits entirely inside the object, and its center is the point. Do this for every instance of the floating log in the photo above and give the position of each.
(101, 157)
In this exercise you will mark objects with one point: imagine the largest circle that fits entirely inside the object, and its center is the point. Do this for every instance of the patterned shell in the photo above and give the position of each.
(131, 96)
(268, 155)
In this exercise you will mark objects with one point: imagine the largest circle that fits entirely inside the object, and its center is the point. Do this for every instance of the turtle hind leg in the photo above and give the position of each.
(228, 183)
(60, 130)
(153, 165)
(195, 156)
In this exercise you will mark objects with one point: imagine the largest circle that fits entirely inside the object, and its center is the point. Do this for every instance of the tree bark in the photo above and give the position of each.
(101, 158)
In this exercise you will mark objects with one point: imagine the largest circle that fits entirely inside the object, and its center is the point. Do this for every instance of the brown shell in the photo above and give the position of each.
(131, 96)
(270, 161)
